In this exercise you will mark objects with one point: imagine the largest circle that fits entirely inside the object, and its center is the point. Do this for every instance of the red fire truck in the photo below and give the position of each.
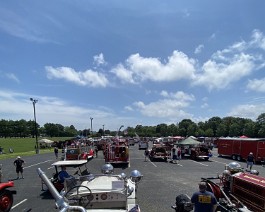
(117, 153)
(239, 148)
(78, 153)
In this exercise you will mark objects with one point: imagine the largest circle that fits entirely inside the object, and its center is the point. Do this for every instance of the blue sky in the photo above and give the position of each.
(131, 62)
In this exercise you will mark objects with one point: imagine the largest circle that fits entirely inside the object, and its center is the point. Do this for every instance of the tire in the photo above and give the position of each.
(239, 158)
(6, 200)
(234, 157)
(206, 159)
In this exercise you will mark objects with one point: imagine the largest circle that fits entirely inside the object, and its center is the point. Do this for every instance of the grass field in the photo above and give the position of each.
(23, 146)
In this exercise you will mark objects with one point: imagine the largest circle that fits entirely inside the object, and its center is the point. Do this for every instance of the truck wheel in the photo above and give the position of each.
(6, 200)
(234, 157)
(206, 159)
(239, 158)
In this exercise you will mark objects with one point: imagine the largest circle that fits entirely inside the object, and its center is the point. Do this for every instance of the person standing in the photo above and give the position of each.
(56, 152)
(18, 163)
(96, 150)
(146, 153)
(204, 201)
(250, 160)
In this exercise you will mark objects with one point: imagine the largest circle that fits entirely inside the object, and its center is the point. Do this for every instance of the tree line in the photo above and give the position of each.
(214, 127)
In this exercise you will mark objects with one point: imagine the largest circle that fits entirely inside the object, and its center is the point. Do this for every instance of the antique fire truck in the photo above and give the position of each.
(235, 190)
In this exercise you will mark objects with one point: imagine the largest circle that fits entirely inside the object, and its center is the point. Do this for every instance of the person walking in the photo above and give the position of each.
(18, 163)
(56, 152)
(204, 201)
(250, 160)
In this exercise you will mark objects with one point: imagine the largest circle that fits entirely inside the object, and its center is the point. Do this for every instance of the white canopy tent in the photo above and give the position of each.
(45, 141)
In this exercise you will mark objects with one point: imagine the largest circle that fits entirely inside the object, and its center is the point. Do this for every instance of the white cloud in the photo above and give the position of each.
(258, 39)
(247, 111)
(87, 78)
(199, 49)
(139, 69)
(170, 107)
(53, 110)
(122, 73)
(204, 105)
(12, 77)
(17, 26)
(99, 59)
(256, 85)
(220, 75)
(128, 108)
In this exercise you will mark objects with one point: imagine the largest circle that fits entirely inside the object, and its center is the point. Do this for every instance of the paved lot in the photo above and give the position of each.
(156, 193)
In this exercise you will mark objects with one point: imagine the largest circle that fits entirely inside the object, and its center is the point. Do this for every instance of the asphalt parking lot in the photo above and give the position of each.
(161, 182)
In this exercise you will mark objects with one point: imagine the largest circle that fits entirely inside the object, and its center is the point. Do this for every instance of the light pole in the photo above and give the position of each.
(34, 101)
(91, 119)
(103, 129)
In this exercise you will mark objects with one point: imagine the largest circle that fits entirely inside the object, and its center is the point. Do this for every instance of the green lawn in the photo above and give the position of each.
(23, 146)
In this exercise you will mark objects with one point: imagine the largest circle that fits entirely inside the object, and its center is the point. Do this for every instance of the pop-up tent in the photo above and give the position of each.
(45, 141)
(189, 141)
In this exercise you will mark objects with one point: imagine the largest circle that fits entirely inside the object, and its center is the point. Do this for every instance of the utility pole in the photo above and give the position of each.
(91, 119)
(34, 101)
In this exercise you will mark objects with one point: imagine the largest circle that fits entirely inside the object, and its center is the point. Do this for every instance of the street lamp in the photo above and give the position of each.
(91, 127)
(34, 101)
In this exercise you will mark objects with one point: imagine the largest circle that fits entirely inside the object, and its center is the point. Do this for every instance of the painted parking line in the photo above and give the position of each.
(200, 163)
(218, 162)
(19, 203)
(37, 164)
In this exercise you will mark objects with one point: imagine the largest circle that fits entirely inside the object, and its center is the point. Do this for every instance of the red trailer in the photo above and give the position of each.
(239, 148)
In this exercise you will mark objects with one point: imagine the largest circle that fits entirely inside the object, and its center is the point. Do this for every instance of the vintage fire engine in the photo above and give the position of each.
(159, 152)
(117, 153)
(235, 190)
(198, 152)
(99, 192)
(78, 152)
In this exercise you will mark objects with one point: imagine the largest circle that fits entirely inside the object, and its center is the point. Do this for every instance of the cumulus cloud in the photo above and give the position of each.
(199, 49)
(171, 105)
(220, 75)
(256, 85)
(247, 111)
(99, 59)
(87, 78)
(232, 63)
(139, 69)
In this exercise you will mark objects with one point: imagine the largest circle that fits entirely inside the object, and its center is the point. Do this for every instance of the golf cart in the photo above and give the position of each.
(79, 165)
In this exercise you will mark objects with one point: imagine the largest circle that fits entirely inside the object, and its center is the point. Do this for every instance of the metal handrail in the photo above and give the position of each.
(60, 201)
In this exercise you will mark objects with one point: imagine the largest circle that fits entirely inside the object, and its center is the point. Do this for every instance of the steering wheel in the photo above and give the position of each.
(83, 200)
